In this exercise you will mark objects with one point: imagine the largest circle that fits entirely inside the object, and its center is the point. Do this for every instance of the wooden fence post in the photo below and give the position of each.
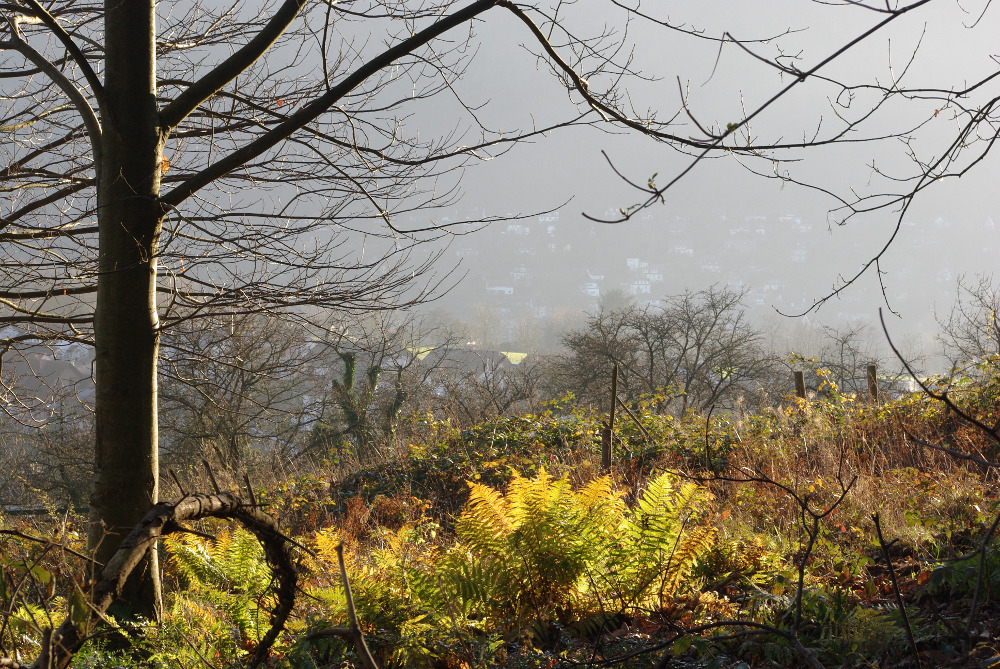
(609, 428)
(800, 384)
(873, 382)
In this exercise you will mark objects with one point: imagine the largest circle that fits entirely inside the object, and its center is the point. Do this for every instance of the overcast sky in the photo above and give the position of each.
(720, 85)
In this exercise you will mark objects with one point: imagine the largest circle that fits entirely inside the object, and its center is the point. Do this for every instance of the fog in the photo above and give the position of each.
(785, 244)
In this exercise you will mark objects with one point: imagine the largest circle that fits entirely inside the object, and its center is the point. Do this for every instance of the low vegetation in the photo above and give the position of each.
(826, 532)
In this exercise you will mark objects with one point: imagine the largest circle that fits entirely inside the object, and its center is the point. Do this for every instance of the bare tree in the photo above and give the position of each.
(255, 390)
(171, 162)
(47, 423)
(240, 391)
(14, 454)
(970, 333)
(375, 369)
(471, 386)
(697, 349)
(58, 459)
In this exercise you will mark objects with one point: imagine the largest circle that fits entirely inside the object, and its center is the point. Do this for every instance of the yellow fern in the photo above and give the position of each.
(693, 543)
(544, 550)
(325, 544)
(486, 521)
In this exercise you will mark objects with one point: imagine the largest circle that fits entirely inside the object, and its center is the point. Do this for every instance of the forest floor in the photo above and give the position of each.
(831, 532)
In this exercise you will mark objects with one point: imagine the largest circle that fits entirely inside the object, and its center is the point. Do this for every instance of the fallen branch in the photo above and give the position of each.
(163, 519)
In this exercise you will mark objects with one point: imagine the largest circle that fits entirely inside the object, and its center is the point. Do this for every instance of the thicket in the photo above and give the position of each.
(826, 532)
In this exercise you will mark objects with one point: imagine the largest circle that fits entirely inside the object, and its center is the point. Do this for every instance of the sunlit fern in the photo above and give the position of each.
(545, 551)
(230, 573)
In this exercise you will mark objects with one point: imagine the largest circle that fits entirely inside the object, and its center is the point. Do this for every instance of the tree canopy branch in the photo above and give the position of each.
(232, 67)
(79, 100)
(81, 60)
(312, 110)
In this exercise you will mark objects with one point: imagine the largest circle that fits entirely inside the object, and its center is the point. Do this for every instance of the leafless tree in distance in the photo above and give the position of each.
(970, 332)
(696, 350)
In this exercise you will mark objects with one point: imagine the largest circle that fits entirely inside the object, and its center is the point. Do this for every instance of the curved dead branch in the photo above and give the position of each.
(163, 519)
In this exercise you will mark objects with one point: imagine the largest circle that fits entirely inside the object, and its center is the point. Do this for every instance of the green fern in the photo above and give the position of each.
(544, 551)
(231, 574)
(663, 538)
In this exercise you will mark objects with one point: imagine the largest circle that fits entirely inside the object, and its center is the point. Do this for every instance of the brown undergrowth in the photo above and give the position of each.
(501, 545)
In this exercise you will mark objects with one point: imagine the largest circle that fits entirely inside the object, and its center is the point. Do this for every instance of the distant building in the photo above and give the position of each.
(500, 290)
(519, 274)
(640, 287)
(652, 274)
(710, 264)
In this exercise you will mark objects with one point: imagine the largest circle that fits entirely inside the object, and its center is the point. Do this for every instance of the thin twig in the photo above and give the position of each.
(352, 616)
(177, 481)
(895, 587)
(47, 542)
(250, 495)
(211, 476)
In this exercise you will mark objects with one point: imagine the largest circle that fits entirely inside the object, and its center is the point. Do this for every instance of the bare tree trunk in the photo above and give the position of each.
(126, 325)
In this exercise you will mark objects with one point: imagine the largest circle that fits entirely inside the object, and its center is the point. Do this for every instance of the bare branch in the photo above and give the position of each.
(232, 67)
(321, 104)
(90, 120)
(78, 57)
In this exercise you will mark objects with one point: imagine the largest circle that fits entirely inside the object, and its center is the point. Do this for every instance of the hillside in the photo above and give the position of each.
(788, 537)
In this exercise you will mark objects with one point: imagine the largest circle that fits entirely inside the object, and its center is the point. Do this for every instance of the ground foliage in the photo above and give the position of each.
(501, 545)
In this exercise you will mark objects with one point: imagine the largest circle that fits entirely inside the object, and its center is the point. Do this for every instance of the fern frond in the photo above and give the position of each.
(325, 544)
(193, 560)
(230, 574)
(485, 521)
(662, 539)
(692, 544)
(241, 561)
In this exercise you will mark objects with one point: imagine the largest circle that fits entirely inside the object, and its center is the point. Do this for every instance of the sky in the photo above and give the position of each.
(945, 44)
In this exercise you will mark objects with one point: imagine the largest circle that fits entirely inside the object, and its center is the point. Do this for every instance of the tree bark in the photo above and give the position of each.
(126, 325)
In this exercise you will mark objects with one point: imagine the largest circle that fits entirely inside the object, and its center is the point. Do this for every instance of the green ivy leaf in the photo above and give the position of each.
(79, 610)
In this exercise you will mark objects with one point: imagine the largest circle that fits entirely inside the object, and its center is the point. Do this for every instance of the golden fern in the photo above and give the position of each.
(544, 552)
(485, 522)
(599, 495)
(325, 544)
(230, 574)
(693, 544)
